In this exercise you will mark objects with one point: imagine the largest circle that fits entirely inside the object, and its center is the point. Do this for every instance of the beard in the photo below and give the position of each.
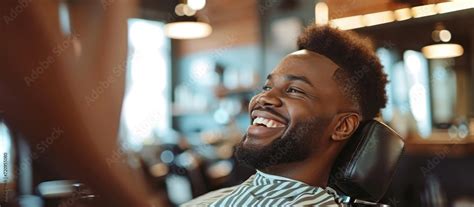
(293, 146)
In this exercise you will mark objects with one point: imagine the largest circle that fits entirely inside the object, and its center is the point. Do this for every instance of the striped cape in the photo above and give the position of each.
(263, 189)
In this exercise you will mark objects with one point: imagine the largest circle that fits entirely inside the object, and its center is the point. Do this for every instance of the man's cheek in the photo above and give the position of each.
(252, 102)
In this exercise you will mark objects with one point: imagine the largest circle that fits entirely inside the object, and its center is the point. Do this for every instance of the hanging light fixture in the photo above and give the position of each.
(442, 49)
(196, 4)
(186, 25)
(321, 13)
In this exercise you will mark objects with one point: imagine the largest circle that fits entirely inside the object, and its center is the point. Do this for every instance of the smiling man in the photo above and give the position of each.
(310, 105)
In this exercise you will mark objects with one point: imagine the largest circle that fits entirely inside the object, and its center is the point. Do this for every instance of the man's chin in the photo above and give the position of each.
(256, 143)
(294, 144)
(260, 155)
(248, 154)
(265, 135)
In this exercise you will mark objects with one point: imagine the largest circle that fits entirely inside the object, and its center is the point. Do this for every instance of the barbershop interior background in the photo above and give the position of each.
(128, 102)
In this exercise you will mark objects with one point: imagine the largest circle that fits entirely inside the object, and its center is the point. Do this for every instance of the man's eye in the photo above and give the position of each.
(293, 90)
(266, 88)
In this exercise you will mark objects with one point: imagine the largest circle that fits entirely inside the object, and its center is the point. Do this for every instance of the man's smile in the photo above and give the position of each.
(266, 125)
(260, 121)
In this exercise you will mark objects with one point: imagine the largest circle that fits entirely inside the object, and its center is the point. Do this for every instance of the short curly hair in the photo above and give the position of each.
(360, 75)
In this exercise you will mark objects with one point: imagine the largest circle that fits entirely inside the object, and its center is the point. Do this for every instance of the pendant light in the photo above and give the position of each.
(442, 49)
(185, 24)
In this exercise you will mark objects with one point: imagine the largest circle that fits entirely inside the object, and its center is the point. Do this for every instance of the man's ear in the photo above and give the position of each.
(346, 126)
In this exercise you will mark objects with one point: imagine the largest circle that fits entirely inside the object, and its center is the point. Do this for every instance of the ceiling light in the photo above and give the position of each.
(444, 50)
(402, 14)
(196, 4)
(378, 18)
(423, 11)
(444, 35)
(188, 11)
(321, 12)
(179, 9)
(187, 30)
(457, 5)
(348, 23)
(186, 25)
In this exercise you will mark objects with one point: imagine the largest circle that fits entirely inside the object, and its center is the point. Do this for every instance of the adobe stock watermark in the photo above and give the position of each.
(95, 93)
(266, 5)
(118, 156)
(142, 128)
(76, 196)
(44, 64)
(39, 149)
(433, 162)
(15, 11)
(340, 11)
(106, 3)
(5, 179)
(275, 158)
(392, 201)
(200, 73)
(354, 79)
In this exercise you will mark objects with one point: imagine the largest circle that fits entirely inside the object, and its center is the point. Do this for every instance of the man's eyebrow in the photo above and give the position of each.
(291, 77)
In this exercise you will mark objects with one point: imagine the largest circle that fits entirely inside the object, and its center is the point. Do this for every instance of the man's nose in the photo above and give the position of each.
(269, 98)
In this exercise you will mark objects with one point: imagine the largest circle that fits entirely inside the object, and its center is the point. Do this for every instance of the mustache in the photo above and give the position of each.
(272, 111)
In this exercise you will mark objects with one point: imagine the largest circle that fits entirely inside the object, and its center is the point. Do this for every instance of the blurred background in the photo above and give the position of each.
(134, 103)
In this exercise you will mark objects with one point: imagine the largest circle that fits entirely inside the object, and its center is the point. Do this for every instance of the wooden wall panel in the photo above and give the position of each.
(233, 22)
(344, 8)
(238, 21)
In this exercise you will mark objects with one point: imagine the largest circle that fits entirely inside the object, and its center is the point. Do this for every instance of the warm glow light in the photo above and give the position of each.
(179, 9)
(184, 9)
(457, 5)
(196, 4)
(321, 12)
(347, 23)
(378, 18)
(6, 150)
(188, 11)
(437, 51)
(444, 35)
(403, 14)
(354, 22)
(159, 170)
(187, 30)
(423, 11)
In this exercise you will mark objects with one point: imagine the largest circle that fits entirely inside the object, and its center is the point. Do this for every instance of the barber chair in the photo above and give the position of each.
(363, 171)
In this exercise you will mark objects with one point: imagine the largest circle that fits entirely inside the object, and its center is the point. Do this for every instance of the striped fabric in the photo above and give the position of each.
(263, 189)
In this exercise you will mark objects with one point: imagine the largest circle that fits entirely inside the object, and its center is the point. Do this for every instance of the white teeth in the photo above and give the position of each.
(257, 120)
(271, 124)
(267, 122)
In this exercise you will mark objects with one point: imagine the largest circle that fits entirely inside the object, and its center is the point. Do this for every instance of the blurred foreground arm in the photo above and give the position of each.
(46, 81)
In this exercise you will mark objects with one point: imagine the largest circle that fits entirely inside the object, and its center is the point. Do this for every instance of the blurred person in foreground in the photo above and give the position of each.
(309, 107)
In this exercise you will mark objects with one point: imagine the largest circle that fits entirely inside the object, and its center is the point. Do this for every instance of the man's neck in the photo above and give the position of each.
(313, 171)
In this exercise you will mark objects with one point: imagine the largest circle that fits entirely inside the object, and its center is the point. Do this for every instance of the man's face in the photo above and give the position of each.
(292, 117)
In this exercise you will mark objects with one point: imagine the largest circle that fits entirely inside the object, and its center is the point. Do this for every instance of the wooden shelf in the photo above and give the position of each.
(441, 150)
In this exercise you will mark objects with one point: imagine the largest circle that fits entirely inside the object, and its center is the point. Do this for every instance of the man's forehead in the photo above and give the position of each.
(310, 55)
(303, 52)
(306, 59)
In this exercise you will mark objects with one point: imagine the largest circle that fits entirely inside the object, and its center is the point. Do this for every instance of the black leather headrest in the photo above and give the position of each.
(364, 168)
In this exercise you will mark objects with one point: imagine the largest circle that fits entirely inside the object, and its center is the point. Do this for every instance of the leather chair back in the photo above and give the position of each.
(365, 166)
